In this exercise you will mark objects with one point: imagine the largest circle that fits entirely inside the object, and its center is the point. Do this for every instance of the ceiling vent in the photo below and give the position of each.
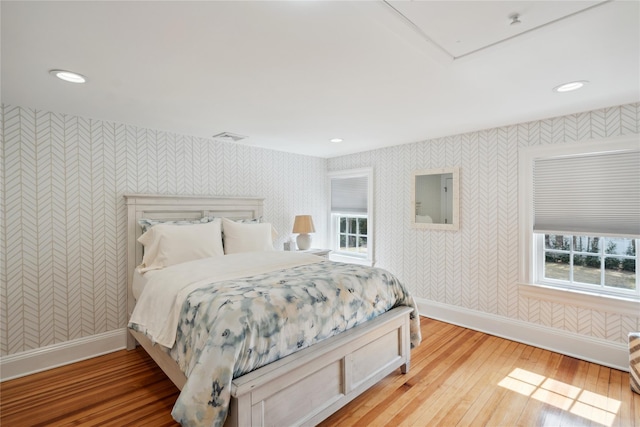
(228, 137)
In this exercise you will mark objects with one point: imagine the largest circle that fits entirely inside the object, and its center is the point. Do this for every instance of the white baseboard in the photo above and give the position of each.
(43, 358)
(596, 350)
(607, 353)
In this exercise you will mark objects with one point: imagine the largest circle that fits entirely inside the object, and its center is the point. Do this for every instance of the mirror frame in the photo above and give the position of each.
(455, 225)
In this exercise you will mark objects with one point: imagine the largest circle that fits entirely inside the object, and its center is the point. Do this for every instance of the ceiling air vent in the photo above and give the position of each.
(228, 137)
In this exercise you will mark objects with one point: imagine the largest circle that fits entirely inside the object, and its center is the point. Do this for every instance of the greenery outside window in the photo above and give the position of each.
(607, 265)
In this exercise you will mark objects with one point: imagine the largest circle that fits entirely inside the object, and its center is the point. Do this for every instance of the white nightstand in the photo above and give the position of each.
(318, 252)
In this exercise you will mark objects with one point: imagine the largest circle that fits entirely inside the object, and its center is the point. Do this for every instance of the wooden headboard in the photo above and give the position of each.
(172, 207)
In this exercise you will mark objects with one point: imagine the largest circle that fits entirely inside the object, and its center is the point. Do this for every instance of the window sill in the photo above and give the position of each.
(350, 259)
(609, 303)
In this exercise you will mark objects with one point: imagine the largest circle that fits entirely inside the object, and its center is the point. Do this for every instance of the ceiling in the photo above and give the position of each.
(291, 75)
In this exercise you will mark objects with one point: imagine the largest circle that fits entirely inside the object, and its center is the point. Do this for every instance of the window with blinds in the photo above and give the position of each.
(585, 226)
(589, 194)
(351, 233)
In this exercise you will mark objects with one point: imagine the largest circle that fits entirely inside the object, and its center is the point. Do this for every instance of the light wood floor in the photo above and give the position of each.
(457, 377)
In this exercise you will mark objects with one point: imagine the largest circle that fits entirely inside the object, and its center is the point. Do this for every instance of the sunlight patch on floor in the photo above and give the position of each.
(586, 404)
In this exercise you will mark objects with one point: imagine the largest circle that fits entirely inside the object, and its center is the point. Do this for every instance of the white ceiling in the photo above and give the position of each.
(292, 75)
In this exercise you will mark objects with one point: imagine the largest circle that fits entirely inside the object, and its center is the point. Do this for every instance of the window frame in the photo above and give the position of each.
(531, 248)
(334, 228)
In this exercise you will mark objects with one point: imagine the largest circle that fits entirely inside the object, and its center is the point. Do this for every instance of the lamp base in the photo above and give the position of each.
(303, 241)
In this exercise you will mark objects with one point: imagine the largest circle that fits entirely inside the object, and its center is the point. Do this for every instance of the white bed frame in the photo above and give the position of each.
(303, 388)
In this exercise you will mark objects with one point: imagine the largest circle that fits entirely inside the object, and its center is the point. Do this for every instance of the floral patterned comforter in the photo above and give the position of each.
(229, 328)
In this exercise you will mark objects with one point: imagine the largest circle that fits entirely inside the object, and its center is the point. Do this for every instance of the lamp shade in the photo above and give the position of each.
(303, 224)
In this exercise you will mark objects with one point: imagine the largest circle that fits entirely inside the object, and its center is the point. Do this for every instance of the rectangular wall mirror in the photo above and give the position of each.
(436, 199)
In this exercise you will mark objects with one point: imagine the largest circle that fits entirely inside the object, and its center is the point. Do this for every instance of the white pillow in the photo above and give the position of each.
(167, 244)
(239, 237)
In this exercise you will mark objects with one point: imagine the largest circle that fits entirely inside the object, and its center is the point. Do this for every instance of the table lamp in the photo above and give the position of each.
(303, 225)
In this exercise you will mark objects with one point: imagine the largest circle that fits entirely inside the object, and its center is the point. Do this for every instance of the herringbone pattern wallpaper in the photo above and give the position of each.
(63, 235)
(477, 267)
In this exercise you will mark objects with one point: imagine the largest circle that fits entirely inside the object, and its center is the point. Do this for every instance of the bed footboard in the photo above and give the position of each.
(308, 386)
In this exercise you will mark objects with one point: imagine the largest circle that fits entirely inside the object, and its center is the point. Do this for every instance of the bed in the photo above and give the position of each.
(301, 388)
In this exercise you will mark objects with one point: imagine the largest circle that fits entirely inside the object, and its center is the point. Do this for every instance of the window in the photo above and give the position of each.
(604, 264)
(580, 206)
(352, 234)
(351, 228)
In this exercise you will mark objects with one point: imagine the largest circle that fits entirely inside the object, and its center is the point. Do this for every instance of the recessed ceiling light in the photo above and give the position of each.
(336, 140)
(568, 87)
(68, 76)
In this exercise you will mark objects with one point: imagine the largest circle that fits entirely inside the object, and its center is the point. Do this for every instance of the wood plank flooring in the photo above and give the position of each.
(457, 377)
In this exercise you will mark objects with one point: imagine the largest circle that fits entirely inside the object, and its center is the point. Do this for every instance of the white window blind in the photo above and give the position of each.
(349, 195)
(596, 194)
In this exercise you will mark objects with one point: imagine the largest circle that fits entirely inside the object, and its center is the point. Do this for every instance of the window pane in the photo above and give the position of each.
(549, 257)
(362, 241)
(552, 241)
(589, 272)
(343, 224)
(616, 277)
(592, 244)
(352, 225)
(580, 243)
(352, 242)
(554, 269)
(612, 263)
(619, 246)
(362, 222)
(343, 242)
(631, 248)
(592, 261)
(629, 265)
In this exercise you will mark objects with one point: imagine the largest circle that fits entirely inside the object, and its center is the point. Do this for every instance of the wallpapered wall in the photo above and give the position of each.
(63, 235)
(62, 230)
(477, 267)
